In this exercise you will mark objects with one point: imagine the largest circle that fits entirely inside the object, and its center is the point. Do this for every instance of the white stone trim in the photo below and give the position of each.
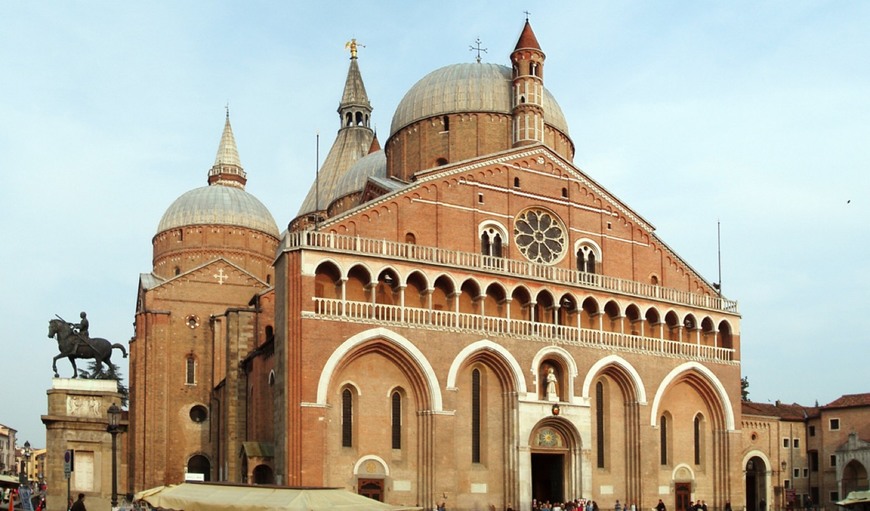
(621, 363)
(487, 345)
(396, 339)
(711, 379)
(562, 354)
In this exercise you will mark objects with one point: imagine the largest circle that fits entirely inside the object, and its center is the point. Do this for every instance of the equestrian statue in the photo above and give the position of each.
(74, 341)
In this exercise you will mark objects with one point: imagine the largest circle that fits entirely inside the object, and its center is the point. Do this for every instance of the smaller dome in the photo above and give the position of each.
(218, 205)
(354, 180)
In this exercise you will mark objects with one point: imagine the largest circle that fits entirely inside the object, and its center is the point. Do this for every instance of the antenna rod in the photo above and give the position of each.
(719, 250)
(317, 179)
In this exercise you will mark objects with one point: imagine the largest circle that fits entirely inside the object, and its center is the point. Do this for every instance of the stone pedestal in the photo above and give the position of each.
(77, 420)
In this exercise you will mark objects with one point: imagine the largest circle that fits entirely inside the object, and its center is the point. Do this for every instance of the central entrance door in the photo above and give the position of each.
(372, 488)
(548, 477)
(682, 494)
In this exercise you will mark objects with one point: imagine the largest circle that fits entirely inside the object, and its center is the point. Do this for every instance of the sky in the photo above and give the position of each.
(751, 116)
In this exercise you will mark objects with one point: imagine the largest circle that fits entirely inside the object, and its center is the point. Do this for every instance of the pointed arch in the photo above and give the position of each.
(499, 351)
(632, 375)
(397, 341)
(707, 377)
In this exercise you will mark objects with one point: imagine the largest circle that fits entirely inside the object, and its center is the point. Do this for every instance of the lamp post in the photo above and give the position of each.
(27, 453)
(22, 474)
(113, 428)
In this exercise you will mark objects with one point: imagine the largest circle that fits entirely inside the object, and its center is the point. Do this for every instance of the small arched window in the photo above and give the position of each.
(190, 376)
(475, 416)
(663, 440)
(446, 121)
(346, 418)
(396, 407)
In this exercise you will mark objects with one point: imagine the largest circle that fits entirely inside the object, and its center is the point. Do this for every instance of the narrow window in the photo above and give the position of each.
(496, 245)
(480, 198)
(191, 371)
(785, 443)
(346, 418)
(835, 424)
(590, 262)
(787, 484)
(814, 461)
(397, 420)
(516, 182)
(484, 243)
(812, 431)
(833, 460)
(564, 192)
(599, 423)
(796, 472)
(446, 121)
(663, 440)
(475, 416)
(697, 440)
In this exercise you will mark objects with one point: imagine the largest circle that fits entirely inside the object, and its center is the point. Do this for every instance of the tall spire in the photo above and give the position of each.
(227, 169)
(354, 109)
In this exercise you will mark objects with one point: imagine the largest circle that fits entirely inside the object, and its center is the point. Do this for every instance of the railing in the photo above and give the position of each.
(333, 308)
(479, 262)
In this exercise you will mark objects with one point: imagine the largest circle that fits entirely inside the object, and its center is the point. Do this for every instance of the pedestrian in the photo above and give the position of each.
(617, 507)
(79, 505)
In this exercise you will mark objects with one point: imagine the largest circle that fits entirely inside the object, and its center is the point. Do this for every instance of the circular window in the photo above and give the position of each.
(540, 236)
(198, 413)
(192, 321)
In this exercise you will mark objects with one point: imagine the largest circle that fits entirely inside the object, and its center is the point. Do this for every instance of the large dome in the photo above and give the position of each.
(469, 87)
(219, 205)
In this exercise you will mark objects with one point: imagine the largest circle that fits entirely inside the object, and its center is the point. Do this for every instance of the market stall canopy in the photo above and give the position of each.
(7, 481)
(232, 497)
(855, 498)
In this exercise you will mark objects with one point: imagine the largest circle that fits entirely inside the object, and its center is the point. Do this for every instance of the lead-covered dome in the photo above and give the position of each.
(468, 87)
(218, 204)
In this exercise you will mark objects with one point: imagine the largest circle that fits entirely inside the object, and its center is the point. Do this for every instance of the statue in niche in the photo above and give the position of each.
(552, 382)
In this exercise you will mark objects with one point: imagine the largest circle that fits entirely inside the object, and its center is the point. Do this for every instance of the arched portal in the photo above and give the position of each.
(263, 475)
(555, 463)
(756, 484)
(854, 477)
(199, 464)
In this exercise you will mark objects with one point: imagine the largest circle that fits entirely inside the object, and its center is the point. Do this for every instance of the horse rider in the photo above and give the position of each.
(81, 330)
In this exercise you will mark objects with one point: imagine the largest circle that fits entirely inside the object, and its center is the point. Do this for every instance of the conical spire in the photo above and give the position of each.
(354, 109)
(227, 169)
(376, 145)
(527, 38)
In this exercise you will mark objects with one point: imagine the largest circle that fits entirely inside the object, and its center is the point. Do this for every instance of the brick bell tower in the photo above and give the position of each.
(527, 89)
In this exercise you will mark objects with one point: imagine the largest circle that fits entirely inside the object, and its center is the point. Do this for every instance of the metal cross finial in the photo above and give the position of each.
(477, 48)
(527, 13)
(352, 45)
(227, 107)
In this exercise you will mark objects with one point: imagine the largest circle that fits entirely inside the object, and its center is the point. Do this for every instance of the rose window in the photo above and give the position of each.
(540, 236)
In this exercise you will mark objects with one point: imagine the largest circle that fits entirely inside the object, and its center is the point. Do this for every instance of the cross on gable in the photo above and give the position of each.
(220, 276)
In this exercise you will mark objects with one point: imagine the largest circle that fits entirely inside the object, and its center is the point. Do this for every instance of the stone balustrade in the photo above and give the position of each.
(396, 315)
(487, 264)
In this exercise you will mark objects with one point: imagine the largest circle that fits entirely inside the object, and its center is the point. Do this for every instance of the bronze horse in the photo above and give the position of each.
(72, 346)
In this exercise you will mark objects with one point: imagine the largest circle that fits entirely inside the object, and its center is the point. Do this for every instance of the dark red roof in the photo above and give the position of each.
(793, 411)
(527, 38)
(849, 400)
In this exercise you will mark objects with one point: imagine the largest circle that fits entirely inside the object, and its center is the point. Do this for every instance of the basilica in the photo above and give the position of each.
(457, 315)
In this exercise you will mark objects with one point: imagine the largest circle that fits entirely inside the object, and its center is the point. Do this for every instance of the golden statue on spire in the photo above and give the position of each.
(353, 45)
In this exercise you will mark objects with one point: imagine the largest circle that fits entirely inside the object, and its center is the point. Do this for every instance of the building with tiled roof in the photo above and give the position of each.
(798, 456)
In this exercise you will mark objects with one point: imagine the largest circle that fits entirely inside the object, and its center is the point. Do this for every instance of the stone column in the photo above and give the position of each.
(77, 420)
